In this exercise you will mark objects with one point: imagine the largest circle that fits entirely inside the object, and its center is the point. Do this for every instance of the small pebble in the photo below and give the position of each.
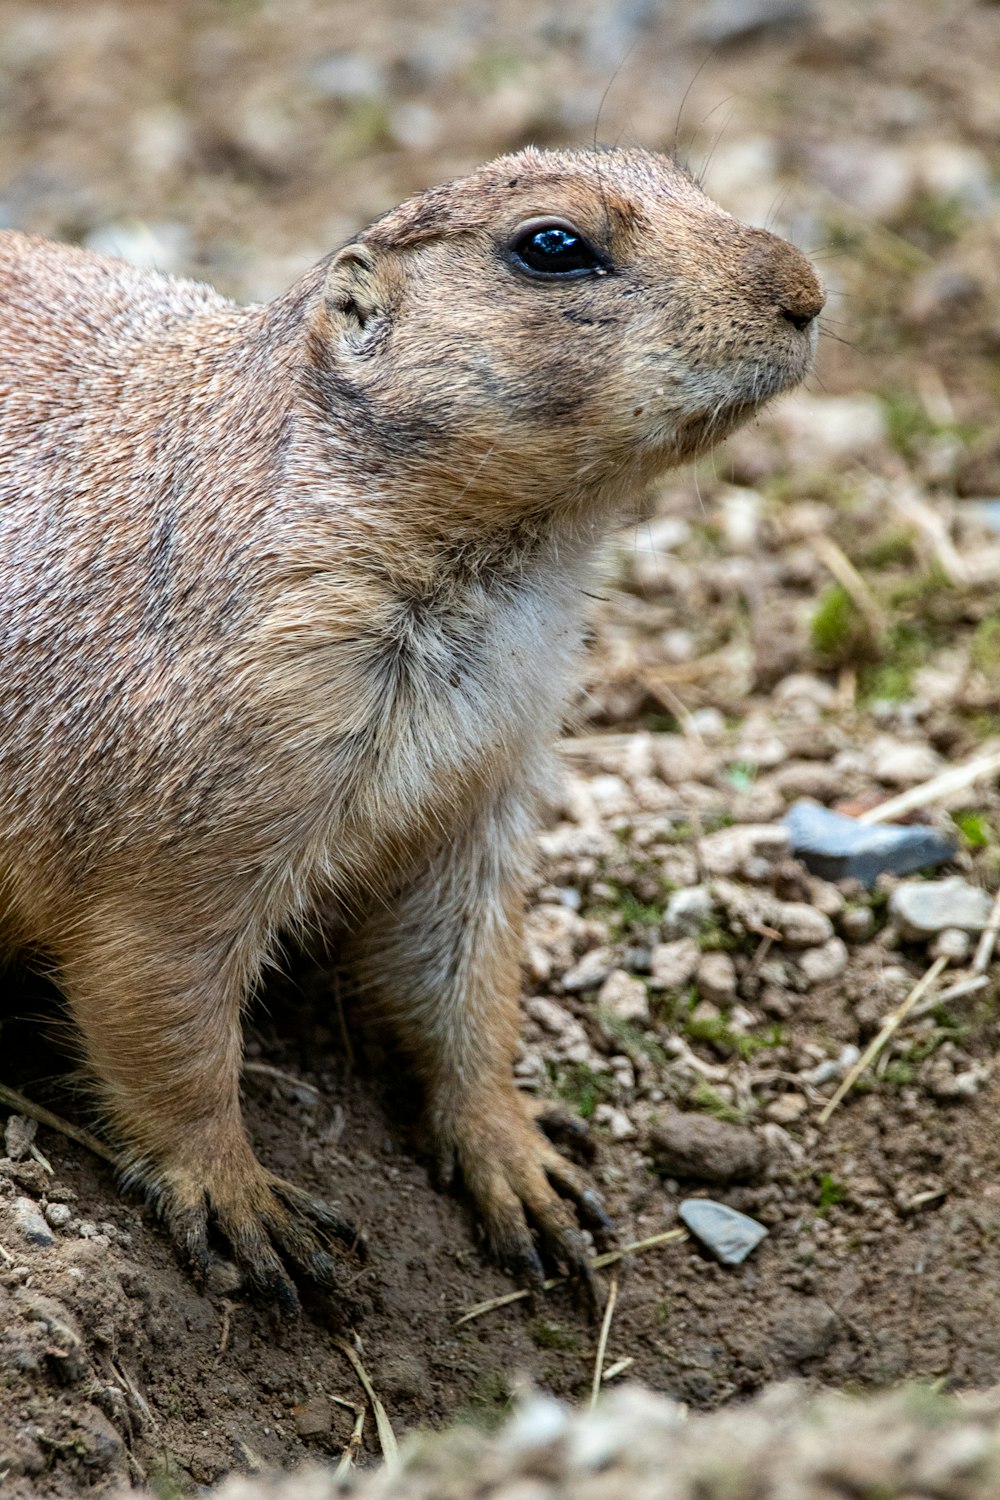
(31, 1223)
(716, 978)
(820, 965)
(313, 1418)
(18, 1136)
(953, 944)
(698, 1146)
(624, 997)
(924, 908)
(591, 971)
(687, 912)
(673, 965)
(728, 1234)
(58, 1215)
(787, 1109)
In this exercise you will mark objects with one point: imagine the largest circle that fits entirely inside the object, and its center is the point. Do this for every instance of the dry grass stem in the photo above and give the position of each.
(932, 531)
(618, 1368)
(892, 1025)
(350, 1454)
(602, 1342)
(987, 940)
(386, 1436)
(955, 779)
(598, 1262)
(665, 695)
(24, 1106)
(851, 581)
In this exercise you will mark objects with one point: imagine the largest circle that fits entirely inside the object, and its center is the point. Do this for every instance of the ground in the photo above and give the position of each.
(736, 665)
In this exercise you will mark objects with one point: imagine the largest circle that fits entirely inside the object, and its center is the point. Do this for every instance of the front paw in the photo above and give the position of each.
(271, 1229)
(520, 1182)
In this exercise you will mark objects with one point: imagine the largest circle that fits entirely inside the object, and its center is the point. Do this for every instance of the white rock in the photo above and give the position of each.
(725, 851)
(802, 926)
(803, 689)
(716, 978)
(624, 997)
(901, 764)
(924, 908)
(592, 970)
(953, 944)
(571, 1039)
(710, 723)
(687, 911)
(673, 965)
(615, 1121)
(787, 1108)
(819, 965)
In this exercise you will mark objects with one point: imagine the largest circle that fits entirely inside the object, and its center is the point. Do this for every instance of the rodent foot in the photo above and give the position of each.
(520, 1182)
(269, 1227)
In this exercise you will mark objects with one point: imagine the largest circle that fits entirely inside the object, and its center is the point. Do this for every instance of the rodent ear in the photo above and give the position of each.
(352, 292)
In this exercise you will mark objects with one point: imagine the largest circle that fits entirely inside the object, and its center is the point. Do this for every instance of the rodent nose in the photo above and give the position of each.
(781, 275)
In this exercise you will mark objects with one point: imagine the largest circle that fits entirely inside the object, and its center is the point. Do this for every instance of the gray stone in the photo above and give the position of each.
(58, 1215)
(834, 846)
(590, 972)
(728, 1234)
(673, 965)
(18, 1136)
(820, 965)
(724, 22)
(30, 1222)
(698, 1146)
(687, 912)
(923, 908)
(624, 997)
(716, 978)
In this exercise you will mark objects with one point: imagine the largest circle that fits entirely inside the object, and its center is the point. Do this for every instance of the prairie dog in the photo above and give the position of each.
(290, 603)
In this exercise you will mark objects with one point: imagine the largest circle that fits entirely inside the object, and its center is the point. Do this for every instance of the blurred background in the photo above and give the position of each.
(239, 140)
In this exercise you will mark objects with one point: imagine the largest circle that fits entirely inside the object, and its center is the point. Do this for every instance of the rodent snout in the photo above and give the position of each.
(783, 277)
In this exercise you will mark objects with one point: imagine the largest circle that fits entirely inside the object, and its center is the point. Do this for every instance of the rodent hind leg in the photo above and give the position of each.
(445, 963)
(160, 1020)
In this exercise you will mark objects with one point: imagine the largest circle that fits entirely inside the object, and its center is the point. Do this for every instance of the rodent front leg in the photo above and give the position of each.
(445, 962)
(159, 1005)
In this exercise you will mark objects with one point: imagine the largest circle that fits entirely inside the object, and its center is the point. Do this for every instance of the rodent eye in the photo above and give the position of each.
(553, 249)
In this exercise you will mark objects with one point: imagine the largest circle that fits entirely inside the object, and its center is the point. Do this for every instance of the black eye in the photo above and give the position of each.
(554, 250)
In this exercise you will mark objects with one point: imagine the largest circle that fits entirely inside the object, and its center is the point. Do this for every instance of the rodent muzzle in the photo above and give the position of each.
(781, 276)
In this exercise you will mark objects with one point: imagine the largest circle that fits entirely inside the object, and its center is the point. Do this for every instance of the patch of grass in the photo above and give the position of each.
(488, 1402)
(717, 1032)
(714, 938)
(547, 1334)
(632, 1039)
(892, 548)
(831, 1192)
(984, 650)
(578, 1085)
(975, 827)
(710, 1102)
(838, 632)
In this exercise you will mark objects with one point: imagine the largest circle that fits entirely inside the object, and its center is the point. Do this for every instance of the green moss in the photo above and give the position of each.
(547, 1334)
(892, 548)
(976, 828)
(838, 631)
(705, 1098)
(578, 1085)
(831, 1192)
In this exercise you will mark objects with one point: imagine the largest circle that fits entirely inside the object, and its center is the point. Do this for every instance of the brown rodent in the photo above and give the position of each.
(290, 601)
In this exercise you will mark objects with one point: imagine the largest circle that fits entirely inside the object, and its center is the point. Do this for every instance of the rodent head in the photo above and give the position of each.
(559, 323)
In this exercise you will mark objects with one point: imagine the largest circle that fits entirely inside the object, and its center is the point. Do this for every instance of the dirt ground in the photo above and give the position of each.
(735, 667)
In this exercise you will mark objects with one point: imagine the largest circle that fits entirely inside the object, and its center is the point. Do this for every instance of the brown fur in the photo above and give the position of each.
(289, 607)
